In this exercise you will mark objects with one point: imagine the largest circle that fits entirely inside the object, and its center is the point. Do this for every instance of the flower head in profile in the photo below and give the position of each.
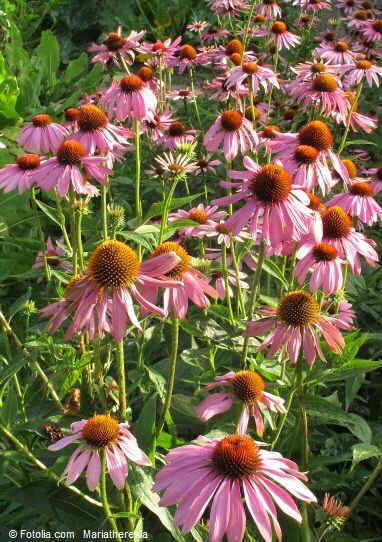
(219, 90)
(158, 125)
(280, 35)
(269, 9)
(176, 133)
(174, 165)
(197, 26)
(335, 511)
(206, 164)
(362, 70)
(295, 326)
(359, 202)
(162, 51)
(97, 435)
(322, 262)
(116, 46)
(336, 52)
(203, 215)
(372, 30)
(233, 132)
(248, 388)
(306, 71)
(19, 175)
(101, 300)
(222, 472)
(259, 77)
(54, 255)
(187, 58)
(130, 98)
(42, 134)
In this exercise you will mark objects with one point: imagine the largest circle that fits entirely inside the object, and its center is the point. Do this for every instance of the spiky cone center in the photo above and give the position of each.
(91, 118)
(334, 508)
(72, 114)
(159, 46)
(101, 431)
(176, 129)
(341, 46)
(248, 386)
(184, 93)
(252, 113)
(316, 134)
(236, 59)
(377, 26)
(298, 309)
(350, 167)
(350, 3)
(198, 215)
(362, 189)
(114, 41)
(202, 163)
(314, 202)
(306, 154)
(259, 18)
(362, 15)
(42, 120)
(290, 113)
(28, 161)
(364, 64)
(270, 131)
(324, 82)
(336, 223)
(250, 67)
(145, 73)
(279, 27)
(269, 2)
(234, 46)
(188, 52)
(330, 36)
(318, 67)
(323, 252)
(222, 228)
(113, 265)
(70, 153)
(272, 184)
(236, 456)
(131, 83)
(185, 259)
(231, 120)
(305, 19)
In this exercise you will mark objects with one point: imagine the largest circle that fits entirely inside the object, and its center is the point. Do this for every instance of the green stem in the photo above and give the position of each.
(226, 284)
(105, 502)
(62, 222)
(253, 298)
(41, 234)
(80, 248)
(121, 381)
(166, 206)
(248, 26)
(47, 383)
(305, 452)
(241, 303)
(15, 377)
(137, 140)
(104, 188)
(73, 231)
(194, 98)
(171, 373)
(284, 418)
(365, 488)
(348, 122)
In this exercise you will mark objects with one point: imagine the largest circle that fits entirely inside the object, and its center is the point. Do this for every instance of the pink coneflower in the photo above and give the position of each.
(98, 434)
(358, 19)
(376, 176)
(220, 472)
(194, 284)
(116, 45)
(325, 266)
(19, 175)
(42, 134)
(214, 34)
(267, 134)
(63, 171)
(232, 51)
(129, 98)
(184, 94)
(247, 387)
(54, 255)
(175, 165)
(342, 313)
(275, 206)
(335, 511)
(347, 5)
(197, 26)
(306, 71)
(233, 280)
(255, 75)
(227, 7)
(203, 215)
(361, 70)
(372, 30)
(234, 132)
(281, 36)
(295, 325)
(358, 121)
(269, 9)
(158, 125)
(176, 133)
(359, 202)
(336, 52)
(162, 51)
(101, 300)
(71, 117)
(313, 5)
(218, 90)
(322, 92)
(223, 234)
(187, 58)
(96, 133)
(206, 165)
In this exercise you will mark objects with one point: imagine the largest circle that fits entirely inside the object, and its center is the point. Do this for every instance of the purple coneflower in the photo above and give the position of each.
(322, 261)
(42, 134)
(129, 98)
(281, 36)
(206, 165)
(359, 202)
(53, 254)
(176, 133)
(19, 175)
(187, 58)
(203, 215)
(116, 46)
(257, 76)
(269, 9)
(372, 30)
(197, 26)
(238, 281)
(162, 51)
(362, 70)
(336, 52)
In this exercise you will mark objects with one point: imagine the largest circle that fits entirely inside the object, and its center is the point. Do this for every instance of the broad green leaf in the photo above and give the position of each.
(137, 238)
(144, 428)
(15, 364)
(364, 451)
(360, 142)
(48, 57)
(49, 211)
(157, 208)
(76, 68)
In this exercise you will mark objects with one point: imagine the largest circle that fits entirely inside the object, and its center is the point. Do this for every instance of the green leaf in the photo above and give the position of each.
(360, 142)
(49, 211)
(76, 68)
(13, 368)
(144, 428)
(157, 208)
(48, 57)
(137, 238)
(364, 451)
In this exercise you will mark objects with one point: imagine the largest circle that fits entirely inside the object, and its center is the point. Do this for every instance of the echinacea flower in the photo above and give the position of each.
(362, 70)
(54, 255)
(359, 202)
(206, 165)
(218, 90)
(225, 7)
(63, 171)
(223, 234)
(203, 215)
(162, 51)
(269, 8)
(273, 205)
(313, 5)
(322, 261)
(158, 125)
(295, 326)
(279, 33)
(214, 33)
(247, 387)
(347, 5)
(177, 165)
(19, 175)
(234, 279)
(101, 300)
(184, 94)
(219, 472)
(129, 98)
(257, 76)
(97, 435)
(336, 512)
(358, 19)
(42, 134)
(338, 52)
(372, 30)
(96, 133)
(376, 178)
(197, 26)
(234, 132)
(187, 58)
(307, 71)
(176, 133)
(194, 285)
(358, 121)
(116, 46)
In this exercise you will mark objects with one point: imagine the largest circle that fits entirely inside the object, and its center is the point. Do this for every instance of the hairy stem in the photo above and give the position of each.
(121, 380)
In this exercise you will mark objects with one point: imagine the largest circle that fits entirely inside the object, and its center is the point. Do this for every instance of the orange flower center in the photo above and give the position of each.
(236, 59)
(176, 129)
(289, 114)
(341, 46)
(315, 202)
(325, 83)
(70, 152)
(252, 113)
(250, 67)
(306, 154)
(272, 184)
(279, 27)
(248, 386)
(188, 52)
(159, 46)
(298, 308)
(231, 120)
(364, 64)
(28, 161)
(114, 41)
(185, 92)
(336, 223)
(100, 431)
(41, 120)
(113, 265)
(329, 36)
(378, 25)
(131, 83)
(202, 163)
(362, 189)
(271, 131)
(185, 263)
(91, 118)
(316, 134)
(350, 3)
(318, 67)
(323, 252)
(145, 73)
(234, 46)
(222, 228)
(72, 114)
(259, 18)
(362, 15)
(351, 167)
(198, 215)
(236, 456)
